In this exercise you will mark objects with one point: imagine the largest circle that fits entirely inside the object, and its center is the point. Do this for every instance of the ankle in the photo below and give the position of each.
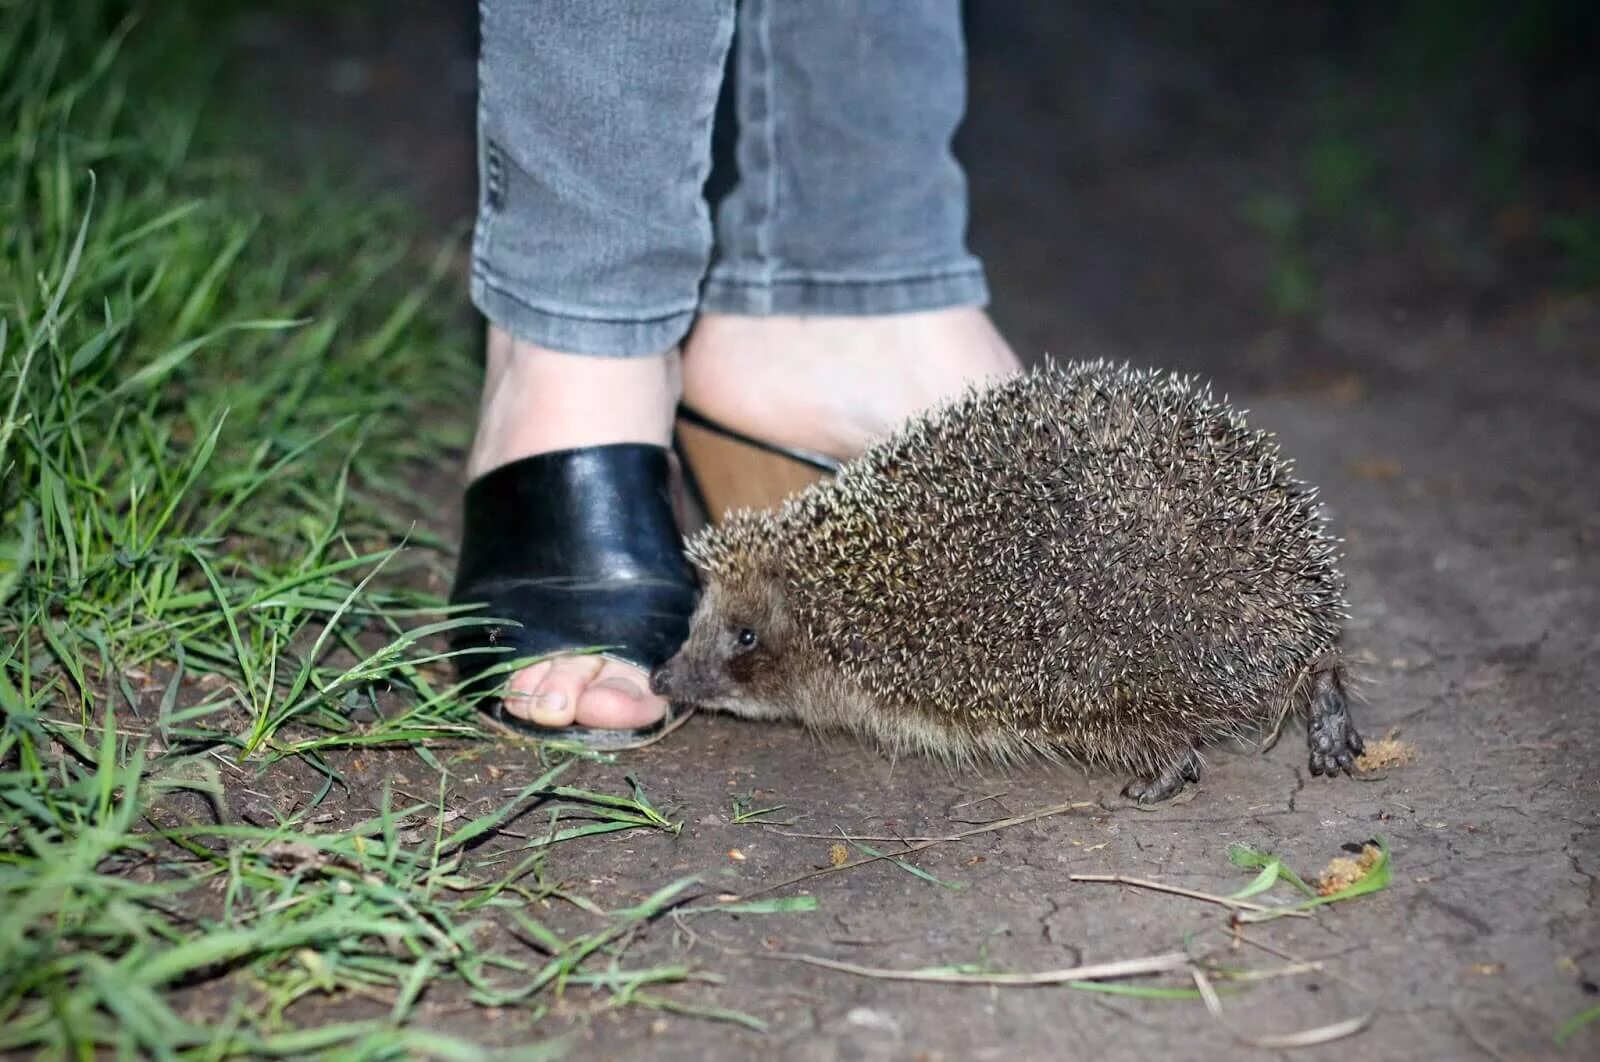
(536, 400)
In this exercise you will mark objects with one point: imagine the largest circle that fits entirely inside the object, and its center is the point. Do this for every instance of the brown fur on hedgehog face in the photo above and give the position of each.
(744, 654)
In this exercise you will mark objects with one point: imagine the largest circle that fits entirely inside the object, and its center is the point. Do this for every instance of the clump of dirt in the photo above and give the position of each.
(1343, 872)
(1388, 751)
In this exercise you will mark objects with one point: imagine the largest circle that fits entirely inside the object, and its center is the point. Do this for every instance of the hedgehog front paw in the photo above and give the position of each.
(1330, 733)
(1165, 785)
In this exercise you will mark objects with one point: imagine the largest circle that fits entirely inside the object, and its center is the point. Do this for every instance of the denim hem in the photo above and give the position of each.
(607, 336)
(845, 296)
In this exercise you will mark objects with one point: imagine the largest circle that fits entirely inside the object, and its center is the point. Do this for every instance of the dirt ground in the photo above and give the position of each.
(1448, 406)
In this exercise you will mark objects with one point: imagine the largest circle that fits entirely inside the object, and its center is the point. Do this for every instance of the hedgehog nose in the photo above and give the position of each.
(661, 680)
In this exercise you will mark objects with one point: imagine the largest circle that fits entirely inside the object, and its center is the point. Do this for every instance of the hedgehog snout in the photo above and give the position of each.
(689, 677)
(663, 678)
(682, 678)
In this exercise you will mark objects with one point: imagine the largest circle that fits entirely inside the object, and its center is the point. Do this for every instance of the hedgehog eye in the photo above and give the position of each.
(747, 639)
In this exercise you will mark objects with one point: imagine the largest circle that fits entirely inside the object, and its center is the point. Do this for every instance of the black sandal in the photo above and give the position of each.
(578, 550)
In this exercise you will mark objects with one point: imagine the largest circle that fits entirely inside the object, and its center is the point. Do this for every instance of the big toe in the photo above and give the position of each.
(619, 698)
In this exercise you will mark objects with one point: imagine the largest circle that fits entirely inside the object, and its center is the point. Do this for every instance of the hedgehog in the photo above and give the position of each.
(1088, 562)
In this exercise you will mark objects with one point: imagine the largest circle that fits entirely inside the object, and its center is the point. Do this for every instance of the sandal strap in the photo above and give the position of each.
(581, 549)
(820, 462)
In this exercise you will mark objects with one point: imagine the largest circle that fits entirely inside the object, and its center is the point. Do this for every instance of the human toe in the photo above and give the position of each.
(553, 700)
(619, 698)
(519, 691)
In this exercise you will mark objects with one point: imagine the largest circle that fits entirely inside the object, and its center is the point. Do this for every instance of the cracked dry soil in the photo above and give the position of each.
(1452, 420)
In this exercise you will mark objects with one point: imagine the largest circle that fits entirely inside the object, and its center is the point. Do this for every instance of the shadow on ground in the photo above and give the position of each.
(1144, 194)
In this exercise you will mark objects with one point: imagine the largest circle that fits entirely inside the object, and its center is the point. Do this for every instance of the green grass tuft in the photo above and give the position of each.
(211, 392)
(215, 391)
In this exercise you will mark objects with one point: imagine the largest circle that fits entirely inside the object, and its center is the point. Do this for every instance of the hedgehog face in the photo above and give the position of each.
(739, 653)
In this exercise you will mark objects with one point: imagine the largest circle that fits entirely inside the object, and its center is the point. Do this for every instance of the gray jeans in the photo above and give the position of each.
(595, 231)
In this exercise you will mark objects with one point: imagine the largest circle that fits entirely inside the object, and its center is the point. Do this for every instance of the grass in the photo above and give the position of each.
(745, 812)
(205, 417)
(99, 955)
(1576, 1022)
(215, 392)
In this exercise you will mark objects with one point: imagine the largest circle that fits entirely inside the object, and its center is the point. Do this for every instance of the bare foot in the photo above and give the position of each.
(834, 384)
(536, 400)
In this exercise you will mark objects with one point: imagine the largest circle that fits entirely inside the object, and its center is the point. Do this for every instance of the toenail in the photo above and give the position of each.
(549, 703)
(621, 685)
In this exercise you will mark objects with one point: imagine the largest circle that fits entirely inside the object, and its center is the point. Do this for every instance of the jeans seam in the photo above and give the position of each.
(703, 139)
(487, 212)
(769, 134)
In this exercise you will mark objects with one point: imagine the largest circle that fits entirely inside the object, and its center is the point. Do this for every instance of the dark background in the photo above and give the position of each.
(1175, 182)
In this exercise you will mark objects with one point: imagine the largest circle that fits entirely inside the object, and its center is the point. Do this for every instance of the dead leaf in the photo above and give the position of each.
(1387, 751)
(1342, 871)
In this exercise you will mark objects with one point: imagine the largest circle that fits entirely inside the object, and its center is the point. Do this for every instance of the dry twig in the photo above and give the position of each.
(1100, 971)
(1321, 1034)
(1179, 890)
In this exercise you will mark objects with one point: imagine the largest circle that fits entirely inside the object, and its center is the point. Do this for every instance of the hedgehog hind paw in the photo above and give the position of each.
(1331, 733)
(1166, 783)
